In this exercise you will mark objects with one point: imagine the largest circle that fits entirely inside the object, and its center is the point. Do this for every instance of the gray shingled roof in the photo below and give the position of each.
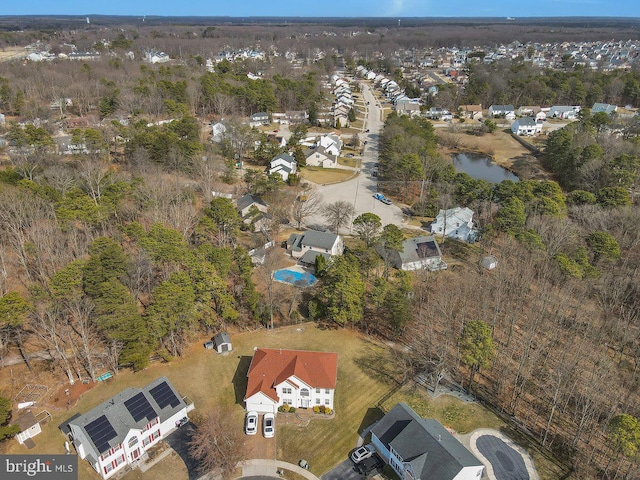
(432, 452)
(120, 418)
(314, 238)
(222, 337)
(248, 199)
(527, 121)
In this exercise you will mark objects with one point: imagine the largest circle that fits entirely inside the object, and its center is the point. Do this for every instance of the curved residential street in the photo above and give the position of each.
(360, 189)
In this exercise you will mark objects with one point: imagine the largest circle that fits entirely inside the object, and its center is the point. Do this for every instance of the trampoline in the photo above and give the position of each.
(506, 462)
(299, 279)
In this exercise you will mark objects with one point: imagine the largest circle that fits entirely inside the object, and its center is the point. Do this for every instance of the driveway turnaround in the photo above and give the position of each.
(504, 459)
(344, 471)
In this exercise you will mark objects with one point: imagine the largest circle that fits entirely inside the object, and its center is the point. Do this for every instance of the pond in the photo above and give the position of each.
(481, 167)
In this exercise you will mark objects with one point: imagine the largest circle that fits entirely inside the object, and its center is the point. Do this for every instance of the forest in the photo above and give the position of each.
(116, 254)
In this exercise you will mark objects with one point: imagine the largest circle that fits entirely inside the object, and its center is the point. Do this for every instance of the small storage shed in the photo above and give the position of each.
(222, 342)
(489, 262)
(29, 428)
(208, 345)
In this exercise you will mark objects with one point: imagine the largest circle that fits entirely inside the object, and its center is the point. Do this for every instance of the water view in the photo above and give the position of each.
(481, 167)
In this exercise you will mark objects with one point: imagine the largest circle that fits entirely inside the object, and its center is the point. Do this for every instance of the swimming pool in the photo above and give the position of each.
(300, 279)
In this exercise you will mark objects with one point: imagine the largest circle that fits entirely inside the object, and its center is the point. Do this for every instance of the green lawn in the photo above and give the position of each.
(348, 162)
(325, 175)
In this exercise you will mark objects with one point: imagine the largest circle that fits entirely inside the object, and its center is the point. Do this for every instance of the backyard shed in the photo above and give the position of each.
(29, 428)
(222, 342)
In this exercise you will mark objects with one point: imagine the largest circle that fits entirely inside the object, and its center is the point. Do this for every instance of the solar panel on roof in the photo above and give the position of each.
(163, 395)
(101, 432)
(139, 408)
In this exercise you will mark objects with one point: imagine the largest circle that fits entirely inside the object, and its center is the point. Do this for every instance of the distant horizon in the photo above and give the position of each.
(331, 9)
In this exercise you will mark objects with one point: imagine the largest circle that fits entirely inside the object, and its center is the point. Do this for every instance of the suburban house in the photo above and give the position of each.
(526, 126)
(320, 157)
(408, 107)
(296, 116)
(222, 342)
(259, 119)
(422, 449)
(301, 379)
(252, 210)
(217, 132)
(29, 428)
(506, 111)
(284, 165)
(119, 431)
(455, 223)
(419, 253)
(471, 111)
(331, 142)
(604, 107)
(308, 245)
(563, 111)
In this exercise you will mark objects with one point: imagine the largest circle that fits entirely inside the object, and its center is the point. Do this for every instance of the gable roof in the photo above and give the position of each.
(221, 337)
(317, 239)
(114, 413)
(271, 367)
(526, 122)
(285, 157)
(425, 444)
(249, 199)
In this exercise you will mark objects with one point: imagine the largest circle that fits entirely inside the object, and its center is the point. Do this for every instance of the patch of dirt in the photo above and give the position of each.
(67, 395)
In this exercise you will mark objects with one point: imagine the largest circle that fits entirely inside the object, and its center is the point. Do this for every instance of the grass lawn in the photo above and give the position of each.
(325, 175)
(362, 382)
(348, 162)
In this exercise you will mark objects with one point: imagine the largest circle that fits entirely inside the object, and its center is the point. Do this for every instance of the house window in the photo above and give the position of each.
(326, 401)
(327, 391)
(286, 390)
(146, 441)
(304, 392)
(119, 460)
(317, 390)
(317, 401)
(108, 468)
(133, 441)
(288, 401)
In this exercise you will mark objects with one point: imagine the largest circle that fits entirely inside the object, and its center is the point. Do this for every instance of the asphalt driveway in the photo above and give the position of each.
(344, 471)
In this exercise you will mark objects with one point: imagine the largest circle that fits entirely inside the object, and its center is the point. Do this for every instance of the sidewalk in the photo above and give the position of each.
(270, 467)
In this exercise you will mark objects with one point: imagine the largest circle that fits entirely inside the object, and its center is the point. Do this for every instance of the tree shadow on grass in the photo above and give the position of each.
(372, 416)
(240, 378)
(379, 365)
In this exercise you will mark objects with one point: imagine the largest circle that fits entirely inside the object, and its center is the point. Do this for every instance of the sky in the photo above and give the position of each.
(328, 8)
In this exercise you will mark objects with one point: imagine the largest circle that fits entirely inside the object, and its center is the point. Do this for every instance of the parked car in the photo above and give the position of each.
(349, 155)
(181, 422)
(362, 452)
(251, 423)
(268, 425)
(382, 198)
(369, 464)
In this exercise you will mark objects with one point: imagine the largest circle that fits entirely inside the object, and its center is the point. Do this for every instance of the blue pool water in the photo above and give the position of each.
(295, 278)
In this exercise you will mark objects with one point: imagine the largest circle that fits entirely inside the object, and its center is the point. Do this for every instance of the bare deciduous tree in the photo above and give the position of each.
(307, 204)
(216, 443)
(339, 214)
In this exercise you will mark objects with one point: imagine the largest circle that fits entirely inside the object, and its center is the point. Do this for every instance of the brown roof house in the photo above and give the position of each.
(302, 379)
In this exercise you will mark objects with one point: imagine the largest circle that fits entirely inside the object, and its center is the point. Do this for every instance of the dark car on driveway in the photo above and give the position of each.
(368, 465)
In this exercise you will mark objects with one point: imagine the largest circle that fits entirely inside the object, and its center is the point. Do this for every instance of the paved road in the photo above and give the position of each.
(359, 190)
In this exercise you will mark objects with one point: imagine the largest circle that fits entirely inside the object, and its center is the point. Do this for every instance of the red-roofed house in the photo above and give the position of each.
(298, 378)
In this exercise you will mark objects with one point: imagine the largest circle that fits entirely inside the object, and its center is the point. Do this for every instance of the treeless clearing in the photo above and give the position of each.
(12, 53)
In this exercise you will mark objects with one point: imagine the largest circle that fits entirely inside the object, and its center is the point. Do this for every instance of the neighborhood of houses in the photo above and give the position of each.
(118, 434)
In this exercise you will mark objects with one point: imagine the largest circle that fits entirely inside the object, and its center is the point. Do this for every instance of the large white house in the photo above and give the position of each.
(321, 157)
(526, 126)
(418, 253)
(454, 223)
(119, 431)
(284, 165)
(298, 378)
(422, 449)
